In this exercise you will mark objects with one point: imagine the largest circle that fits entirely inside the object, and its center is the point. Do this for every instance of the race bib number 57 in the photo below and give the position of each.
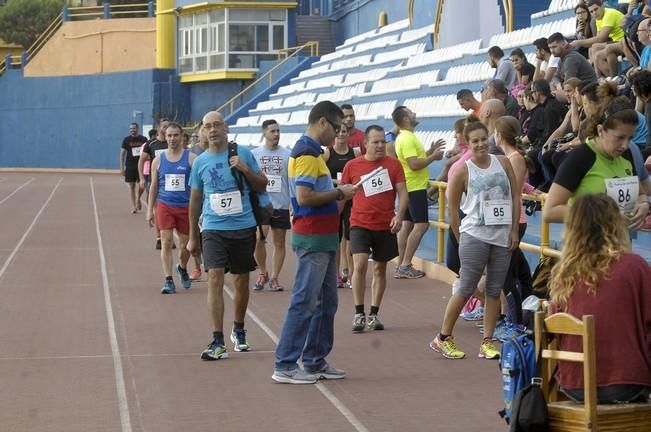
(227, 203)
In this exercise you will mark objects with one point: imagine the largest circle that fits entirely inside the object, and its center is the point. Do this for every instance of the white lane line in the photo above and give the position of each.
(123, 403)
(29, 229)
(334, 400)
(17, 189)
(107, 356)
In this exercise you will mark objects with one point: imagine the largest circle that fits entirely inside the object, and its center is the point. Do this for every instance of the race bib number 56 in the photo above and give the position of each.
(227, 203)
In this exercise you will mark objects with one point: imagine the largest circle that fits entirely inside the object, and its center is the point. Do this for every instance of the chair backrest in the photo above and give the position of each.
(546, 328)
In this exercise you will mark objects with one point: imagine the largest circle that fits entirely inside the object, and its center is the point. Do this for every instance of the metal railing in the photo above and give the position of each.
(106, 11)
(69, 14)
(44, 36)
(543, 249)
(314, 51)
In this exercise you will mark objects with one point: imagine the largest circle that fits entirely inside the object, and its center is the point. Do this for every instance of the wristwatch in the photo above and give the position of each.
(340, 194)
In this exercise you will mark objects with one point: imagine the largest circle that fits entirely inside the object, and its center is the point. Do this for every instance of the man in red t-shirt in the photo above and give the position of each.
(356, 137)
(374, 222)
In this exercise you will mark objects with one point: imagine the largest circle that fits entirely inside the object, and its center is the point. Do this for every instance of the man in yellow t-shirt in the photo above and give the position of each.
(414, 160)
(606, 43)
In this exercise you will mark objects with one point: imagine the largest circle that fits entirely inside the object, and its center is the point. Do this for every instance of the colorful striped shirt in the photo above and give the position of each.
(314, 228)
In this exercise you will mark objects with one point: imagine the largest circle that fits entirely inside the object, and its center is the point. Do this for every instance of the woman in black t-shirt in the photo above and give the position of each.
(523, 69)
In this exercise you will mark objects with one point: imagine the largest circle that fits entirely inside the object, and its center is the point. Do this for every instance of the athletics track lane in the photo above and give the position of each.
(58, 369)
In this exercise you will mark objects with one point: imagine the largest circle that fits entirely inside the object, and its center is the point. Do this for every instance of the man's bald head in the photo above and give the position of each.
(215, 128)
(491, 110)
(643, 32)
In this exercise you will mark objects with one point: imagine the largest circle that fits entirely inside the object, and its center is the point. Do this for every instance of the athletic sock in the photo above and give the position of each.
(238, 326)
(443, 337)
(169, 278)
(374, 310)
(359, 309)
(218, 336)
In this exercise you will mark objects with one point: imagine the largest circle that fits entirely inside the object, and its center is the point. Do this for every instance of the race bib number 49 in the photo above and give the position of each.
(174, 182)
(381, 182)
(497, 212)
(624, 191)
(274, 183)
(227, 203)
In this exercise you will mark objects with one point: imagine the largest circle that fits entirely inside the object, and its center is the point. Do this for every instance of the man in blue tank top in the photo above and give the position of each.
(228, 229)
(169, 194)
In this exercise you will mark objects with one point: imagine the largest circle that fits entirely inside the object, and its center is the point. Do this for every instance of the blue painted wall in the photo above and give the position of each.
(206, 96)
(72, 122)
(359, 16)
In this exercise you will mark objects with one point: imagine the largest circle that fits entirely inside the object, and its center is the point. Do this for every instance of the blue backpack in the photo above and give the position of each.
(517, 364)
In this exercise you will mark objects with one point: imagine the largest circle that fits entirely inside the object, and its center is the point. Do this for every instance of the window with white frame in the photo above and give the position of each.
(230, 39)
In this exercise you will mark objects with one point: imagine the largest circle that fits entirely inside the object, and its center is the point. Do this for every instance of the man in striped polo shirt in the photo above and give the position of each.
(308, 330)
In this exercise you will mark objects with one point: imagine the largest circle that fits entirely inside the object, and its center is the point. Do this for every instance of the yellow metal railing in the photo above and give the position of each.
(44, 36)
(543, 249)
(13, 61)
(314, 51)
(508, 12)
(437, 22)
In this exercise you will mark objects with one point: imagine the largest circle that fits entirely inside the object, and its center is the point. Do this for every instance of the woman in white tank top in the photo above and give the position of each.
(487, 235)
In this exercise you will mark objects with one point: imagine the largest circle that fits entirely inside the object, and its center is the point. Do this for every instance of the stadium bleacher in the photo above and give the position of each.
(394, 65)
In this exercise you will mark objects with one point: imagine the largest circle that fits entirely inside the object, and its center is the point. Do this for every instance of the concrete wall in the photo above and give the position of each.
(97, 46)
(73, 122)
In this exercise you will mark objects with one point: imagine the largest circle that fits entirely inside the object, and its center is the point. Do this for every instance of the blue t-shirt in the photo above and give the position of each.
(212, 175)
(641, 131)
(273, 164)
(645, 57)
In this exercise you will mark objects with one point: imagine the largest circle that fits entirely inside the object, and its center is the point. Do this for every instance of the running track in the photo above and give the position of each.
(87, 343)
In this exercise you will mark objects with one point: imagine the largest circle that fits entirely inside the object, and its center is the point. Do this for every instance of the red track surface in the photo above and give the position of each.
(59, 371)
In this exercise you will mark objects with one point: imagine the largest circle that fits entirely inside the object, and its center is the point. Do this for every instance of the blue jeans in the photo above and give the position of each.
(308, 329)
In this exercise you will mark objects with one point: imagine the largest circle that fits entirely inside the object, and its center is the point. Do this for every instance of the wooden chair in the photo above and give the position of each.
(570, 416)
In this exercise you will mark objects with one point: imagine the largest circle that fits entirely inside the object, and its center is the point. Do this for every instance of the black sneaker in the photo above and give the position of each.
(158, 245)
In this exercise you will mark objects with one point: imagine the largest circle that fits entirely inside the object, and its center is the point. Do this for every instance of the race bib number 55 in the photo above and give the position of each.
(174, 182)
(227, 203)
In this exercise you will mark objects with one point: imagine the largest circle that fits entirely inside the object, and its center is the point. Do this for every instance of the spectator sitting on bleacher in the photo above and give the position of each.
(609, 30)
(496, 89)
(641, 84)
(524, 70)
(356, 137)
(504, 68)
(553, 151)
(598, 275)
(467, 101)
(518, 93)
(546, 63)
(629, 46)
(491, 110)
(586, 27)
(645, 54)
(533, 128)
(593, 167)
(552, 116)
(572, 64)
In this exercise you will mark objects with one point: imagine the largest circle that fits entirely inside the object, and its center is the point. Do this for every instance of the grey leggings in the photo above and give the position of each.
(476, 256)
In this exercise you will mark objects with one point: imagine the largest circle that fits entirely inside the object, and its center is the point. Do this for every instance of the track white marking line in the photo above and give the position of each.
(125, 417)
(17, 189)
(334, 400)
(29, 229)
(107, 356)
